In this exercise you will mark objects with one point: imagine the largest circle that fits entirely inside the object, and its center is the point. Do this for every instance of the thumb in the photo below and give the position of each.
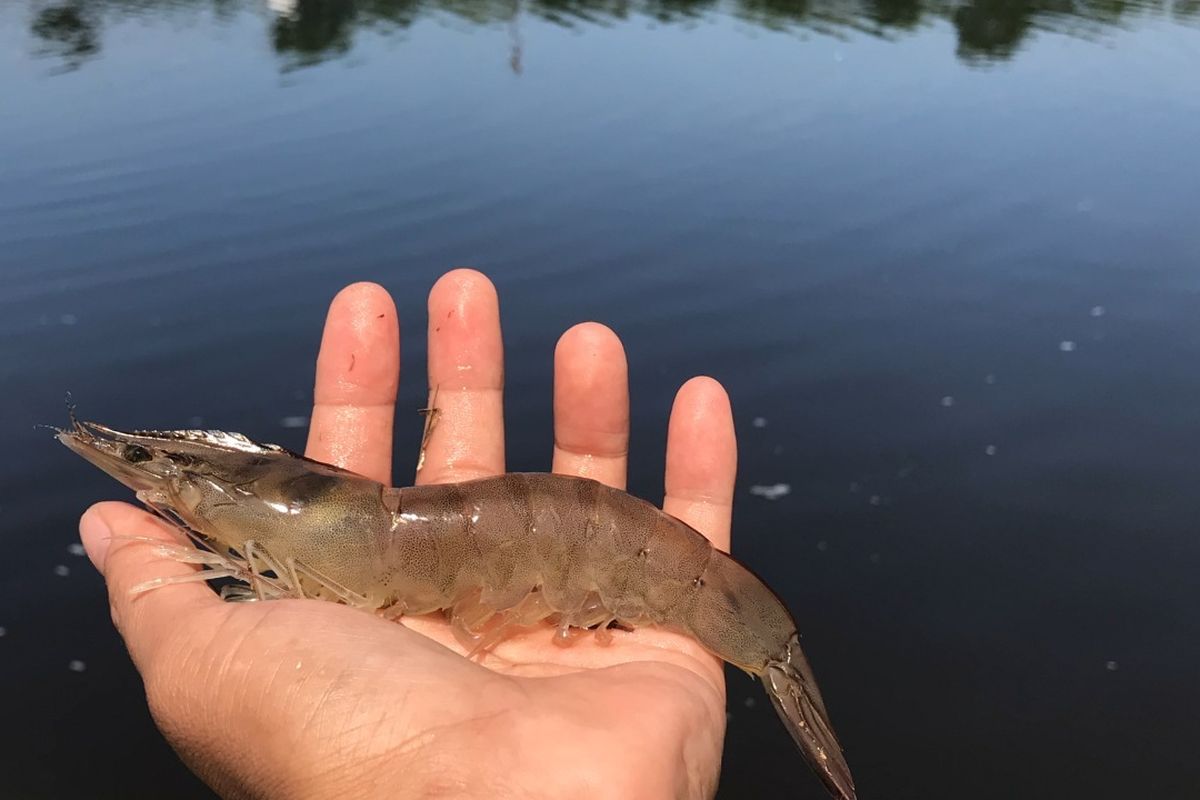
(125, 545)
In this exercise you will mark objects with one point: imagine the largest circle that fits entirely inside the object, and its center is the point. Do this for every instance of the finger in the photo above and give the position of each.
(702, 459)
(466, 380)
(358, 370)
(145, 620)
(591, 405)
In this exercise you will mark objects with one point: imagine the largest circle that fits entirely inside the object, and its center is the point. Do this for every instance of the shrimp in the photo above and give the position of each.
(492, 554)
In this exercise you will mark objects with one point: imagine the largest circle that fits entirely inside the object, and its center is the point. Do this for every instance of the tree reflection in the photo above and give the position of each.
(309, 31)
(775, 14)
(677, 10)
(895, 13)
(991, 29)
(68, 31)
(313, 30)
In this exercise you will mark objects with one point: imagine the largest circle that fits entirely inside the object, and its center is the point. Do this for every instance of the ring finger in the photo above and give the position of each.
(591, 405)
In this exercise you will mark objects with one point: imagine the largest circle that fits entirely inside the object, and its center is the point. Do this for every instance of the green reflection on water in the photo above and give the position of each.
(306, 32)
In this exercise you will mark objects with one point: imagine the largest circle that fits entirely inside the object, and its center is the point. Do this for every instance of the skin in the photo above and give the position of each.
(305, 699)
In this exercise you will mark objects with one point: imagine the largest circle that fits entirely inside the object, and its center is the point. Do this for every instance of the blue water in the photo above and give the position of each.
(946, 254)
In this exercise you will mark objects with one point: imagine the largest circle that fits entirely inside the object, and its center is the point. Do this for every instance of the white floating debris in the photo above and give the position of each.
(822, 545)
(1067, 346)
(759, 422)
(294, 422)
(990, 450)
(777, 450)
(62, 570)
(854, 487)
(947, 401)
(76, 549)
(874, 558)
(1098, 311)
(77, 666)
(749, 702)
(68, 319)
(875, 500)
(1111, 666)
(196, 422)
(772, 492)
(3, 630)
(989, 379)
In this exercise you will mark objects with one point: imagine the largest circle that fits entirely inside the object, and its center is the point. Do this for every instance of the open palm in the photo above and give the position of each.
(299, 698)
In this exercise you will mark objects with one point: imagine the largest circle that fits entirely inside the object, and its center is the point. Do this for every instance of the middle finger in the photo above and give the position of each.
(466, 380)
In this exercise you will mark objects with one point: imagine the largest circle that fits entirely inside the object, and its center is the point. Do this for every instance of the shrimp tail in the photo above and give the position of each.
(793, 691)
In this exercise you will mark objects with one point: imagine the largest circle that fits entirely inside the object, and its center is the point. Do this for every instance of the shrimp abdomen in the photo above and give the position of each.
(594, 553)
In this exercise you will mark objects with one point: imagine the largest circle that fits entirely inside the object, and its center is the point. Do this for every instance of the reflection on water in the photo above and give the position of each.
(305, 32)
(69, 31)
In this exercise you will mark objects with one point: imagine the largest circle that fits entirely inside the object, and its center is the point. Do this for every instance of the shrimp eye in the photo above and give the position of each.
(136, 454)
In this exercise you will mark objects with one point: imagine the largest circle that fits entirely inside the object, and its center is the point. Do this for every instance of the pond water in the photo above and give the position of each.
(944, 255)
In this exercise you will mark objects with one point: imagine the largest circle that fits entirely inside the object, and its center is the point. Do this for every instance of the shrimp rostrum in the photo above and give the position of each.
(493, 554)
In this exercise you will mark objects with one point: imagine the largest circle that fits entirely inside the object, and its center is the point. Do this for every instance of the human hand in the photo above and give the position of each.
(309, 699)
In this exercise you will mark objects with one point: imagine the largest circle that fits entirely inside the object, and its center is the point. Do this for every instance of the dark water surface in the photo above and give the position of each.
(945, 256)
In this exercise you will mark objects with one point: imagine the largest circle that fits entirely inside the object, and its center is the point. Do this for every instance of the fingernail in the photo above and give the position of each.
(96, 537)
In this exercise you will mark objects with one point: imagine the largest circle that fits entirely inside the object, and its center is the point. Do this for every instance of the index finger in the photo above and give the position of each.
(358, 372)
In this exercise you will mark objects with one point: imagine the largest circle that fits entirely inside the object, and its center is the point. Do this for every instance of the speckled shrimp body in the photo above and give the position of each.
(492, 554)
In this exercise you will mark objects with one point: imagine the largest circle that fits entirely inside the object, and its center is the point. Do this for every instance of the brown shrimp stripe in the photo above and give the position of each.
(594, 553)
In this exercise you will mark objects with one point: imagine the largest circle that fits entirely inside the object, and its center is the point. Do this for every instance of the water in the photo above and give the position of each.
(847, 212)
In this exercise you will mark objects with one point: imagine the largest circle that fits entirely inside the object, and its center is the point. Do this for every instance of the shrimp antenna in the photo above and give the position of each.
(71, 411)
(70, 414)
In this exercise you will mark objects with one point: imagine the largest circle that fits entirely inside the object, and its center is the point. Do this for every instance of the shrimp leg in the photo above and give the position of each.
(431, 413)
(531, 610)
